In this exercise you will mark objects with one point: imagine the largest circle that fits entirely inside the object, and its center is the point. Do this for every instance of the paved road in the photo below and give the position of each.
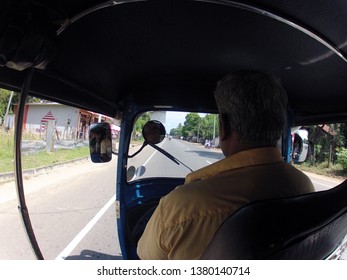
(61, 205)
(322, 183)
(72, 208)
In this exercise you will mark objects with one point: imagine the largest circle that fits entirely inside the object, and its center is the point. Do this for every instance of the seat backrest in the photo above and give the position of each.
(309, 226)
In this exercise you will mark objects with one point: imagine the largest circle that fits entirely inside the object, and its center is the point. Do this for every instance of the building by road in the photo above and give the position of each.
(70, 123)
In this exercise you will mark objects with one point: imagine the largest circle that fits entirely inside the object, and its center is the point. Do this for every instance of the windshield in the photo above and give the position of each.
(192, 138)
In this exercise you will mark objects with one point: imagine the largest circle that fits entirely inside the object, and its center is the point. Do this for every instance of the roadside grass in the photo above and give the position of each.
(44, 158)
(34, 160)
(334, 170)
(6, 151)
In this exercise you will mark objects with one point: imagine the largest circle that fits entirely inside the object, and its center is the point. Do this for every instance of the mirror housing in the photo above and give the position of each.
(100, 142)
(153, 132)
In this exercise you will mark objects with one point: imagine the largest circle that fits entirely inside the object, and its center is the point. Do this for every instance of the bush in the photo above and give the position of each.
(342, 157)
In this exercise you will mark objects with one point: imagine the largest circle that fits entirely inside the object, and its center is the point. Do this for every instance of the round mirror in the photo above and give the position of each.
(153, 132)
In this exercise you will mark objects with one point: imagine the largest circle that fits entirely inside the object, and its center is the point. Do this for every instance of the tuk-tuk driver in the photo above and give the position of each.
(252, 111)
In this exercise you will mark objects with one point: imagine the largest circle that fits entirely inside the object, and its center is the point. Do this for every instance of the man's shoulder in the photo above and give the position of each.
(295, 171)
(196, 197)
(192, 191)
(192, 203)
(299, 177)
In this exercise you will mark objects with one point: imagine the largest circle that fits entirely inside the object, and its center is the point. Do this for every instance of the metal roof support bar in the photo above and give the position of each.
(296, 25)
(18, 164)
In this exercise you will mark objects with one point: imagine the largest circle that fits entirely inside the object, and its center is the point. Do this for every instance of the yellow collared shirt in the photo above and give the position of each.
(186, 219)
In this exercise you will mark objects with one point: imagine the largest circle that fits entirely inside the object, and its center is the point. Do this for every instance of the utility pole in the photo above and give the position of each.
(214, 127)
(198, 131)
(7, 125)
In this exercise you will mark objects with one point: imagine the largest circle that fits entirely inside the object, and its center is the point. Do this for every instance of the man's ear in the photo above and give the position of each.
(224, 128)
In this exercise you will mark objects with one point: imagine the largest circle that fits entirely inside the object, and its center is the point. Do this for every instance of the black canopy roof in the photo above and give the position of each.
(98, 54)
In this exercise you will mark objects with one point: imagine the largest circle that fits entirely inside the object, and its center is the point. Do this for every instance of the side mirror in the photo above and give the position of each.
(100, 142)
(154, 132)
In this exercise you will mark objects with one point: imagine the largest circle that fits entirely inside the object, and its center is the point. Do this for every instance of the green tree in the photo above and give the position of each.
(342, 157)
(5, 96)
(342, 131)
(191, 125)
(140, 122)
(319, 141)
(325, 141)
(4, 99)
(195, 125)
(32, 99)
(209, 126)
(177, 132)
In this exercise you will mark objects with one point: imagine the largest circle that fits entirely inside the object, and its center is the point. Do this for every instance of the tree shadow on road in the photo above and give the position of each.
(208, 154)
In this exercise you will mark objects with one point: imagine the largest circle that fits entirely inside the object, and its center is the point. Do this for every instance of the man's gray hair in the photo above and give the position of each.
(255, 105)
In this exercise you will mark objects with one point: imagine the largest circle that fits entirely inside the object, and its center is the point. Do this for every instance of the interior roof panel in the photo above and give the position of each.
(174, 52)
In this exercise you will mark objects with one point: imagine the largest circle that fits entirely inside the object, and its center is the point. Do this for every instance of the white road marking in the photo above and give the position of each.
(153, 153)
(208, 162)
(150, 158)
(73, 244)
(78, 238)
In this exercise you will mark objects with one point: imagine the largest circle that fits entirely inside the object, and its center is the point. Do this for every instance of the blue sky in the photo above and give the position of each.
(173, 119)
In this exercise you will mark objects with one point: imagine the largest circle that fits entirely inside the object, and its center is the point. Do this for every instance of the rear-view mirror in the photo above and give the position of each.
(153, 132)
(100, 142)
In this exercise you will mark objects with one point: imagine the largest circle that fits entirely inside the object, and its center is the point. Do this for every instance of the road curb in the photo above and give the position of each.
(10, 176)
(324, 177)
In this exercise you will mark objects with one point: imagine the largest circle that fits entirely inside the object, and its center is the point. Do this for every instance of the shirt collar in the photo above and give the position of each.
(241, 159)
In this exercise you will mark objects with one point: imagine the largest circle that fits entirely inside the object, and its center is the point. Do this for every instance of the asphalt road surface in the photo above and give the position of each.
(72, 208)
(61, 204)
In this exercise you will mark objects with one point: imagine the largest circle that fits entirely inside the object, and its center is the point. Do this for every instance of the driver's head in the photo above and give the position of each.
(253, 105)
